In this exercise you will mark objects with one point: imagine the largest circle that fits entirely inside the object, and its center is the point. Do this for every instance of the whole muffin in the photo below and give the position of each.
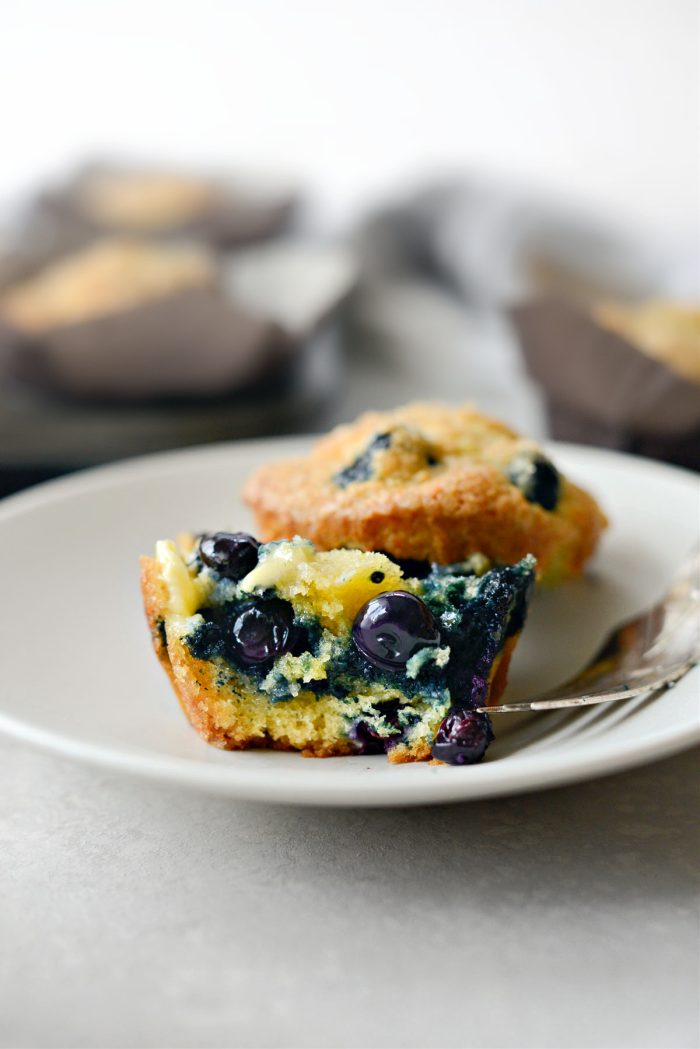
(117, 320)
(623, 375)
(431, 483)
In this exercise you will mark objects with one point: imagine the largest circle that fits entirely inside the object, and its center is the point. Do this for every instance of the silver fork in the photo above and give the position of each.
(650, 652)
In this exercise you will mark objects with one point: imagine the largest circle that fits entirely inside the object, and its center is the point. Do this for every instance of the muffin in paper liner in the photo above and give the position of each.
(130, 319)
(223, 212)
(606, 388)
(107, 199)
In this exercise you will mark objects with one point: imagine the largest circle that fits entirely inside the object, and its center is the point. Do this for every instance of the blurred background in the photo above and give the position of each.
(243, 217)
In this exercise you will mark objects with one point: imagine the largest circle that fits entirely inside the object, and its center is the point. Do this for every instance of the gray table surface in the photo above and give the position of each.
(135, 915)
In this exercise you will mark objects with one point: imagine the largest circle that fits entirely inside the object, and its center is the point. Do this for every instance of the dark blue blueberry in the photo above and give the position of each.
(369, 740)
(160, 630)
(392, 627)
(362, 467)
(523, 584)
(537, 478)
(206, 641)
(411, 567)
(300, 641)
(231, 554)
(260, 631)
(463, 737)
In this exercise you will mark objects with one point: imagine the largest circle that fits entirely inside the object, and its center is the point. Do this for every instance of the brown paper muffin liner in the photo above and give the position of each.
(192, 343)
(602, 390)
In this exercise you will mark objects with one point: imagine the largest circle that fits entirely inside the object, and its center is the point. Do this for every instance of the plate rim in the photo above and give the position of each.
(218, 781)
(237, 782)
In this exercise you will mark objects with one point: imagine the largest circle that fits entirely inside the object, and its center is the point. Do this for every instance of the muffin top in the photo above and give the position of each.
(108, 276)
(145, 201)
(430, 482)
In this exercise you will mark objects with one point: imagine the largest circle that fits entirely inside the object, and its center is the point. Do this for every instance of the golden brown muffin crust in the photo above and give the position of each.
(108, 276)
(439, 492)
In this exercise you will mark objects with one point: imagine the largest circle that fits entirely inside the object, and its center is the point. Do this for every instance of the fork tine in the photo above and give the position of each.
(631, 660)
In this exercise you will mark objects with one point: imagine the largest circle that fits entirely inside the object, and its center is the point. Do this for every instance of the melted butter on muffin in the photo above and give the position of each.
(331, 585)
(186, 590)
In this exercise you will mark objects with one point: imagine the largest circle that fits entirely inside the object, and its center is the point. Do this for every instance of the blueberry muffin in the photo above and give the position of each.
(666, 331)
(110, 276)
(223, 211)
(622, 375)
(145, 201)
(118, 320)
(430, 483)
(332, 653)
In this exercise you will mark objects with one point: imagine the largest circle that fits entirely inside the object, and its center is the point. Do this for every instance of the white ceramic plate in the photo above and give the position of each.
(79, 676)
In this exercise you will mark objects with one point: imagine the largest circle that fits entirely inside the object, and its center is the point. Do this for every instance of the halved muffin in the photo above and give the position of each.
(333, 653)
(430, 482)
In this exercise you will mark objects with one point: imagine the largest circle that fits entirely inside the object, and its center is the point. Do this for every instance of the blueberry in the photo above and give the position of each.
(231, 554)
(370, 741)
(362, 467)
(411, 567)
(299, 641)
(537, 478)
(261, 630)
(206, 640)
(392, 627)
(367, 739)
(463, 737)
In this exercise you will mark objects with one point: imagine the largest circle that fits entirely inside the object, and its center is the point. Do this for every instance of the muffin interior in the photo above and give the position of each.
(332, 690)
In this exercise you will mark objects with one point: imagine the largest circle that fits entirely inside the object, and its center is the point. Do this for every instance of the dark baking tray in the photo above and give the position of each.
(43, 436)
